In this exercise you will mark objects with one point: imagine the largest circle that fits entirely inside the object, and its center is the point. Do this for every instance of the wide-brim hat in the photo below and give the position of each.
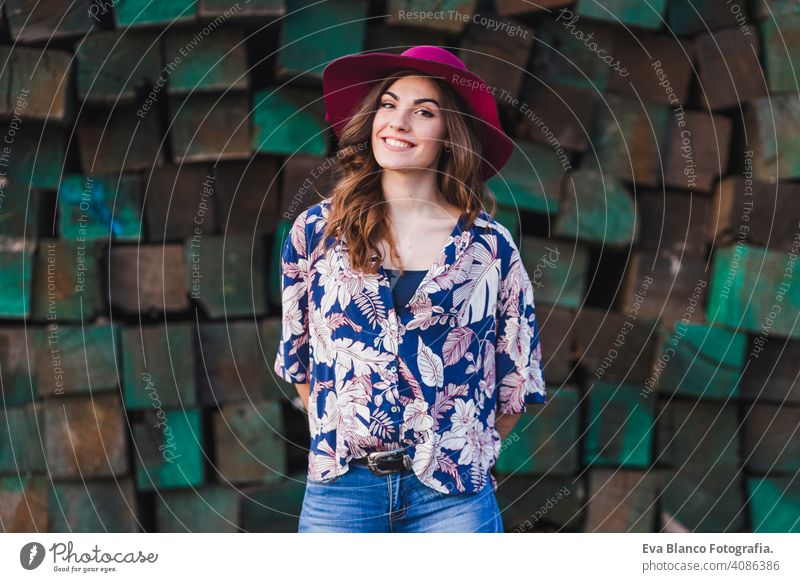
(346, 80)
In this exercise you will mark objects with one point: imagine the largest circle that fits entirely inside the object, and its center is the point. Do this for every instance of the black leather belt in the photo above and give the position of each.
(385, 462)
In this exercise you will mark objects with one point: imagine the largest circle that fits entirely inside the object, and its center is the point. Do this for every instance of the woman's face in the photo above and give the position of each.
(408, 111)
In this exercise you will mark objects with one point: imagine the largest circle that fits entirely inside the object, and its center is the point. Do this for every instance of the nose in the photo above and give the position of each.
(399, 121)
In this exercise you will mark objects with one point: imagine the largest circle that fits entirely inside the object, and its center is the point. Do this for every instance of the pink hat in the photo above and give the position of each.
(346, 80)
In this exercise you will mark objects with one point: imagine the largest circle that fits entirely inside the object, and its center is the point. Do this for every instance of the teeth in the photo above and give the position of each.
(397, 144)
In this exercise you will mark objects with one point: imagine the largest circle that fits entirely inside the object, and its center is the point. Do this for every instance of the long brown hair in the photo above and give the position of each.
(356, 209)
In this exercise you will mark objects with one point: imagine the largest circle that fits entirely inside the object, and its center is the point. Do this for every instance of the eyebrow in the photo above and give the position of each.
(416, 101)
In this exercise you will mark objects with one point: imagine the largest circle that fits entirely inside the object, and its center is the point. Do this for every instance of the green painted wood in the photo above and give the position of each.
(34, 83)
(68, 283)
(628, 12)
(118, 140)
(163, 375)
(774, 504)
(18, 353)
(629, 139)
(23, 503)
(748, 285)
(273, 508)
(596, 208)
(23, 440)
(92, 507)
(509, 218)
(705, 499)
(558, 270)
(115, 65)
(47, 20)
(268, 9)
(563, 58)
(147, 13)
(781, 54)
(16, 265)
(36, 157)
(288, 121)
(548, 443)
(698, 434)
(688, 17)
(211, 509)
(100, 207)
(249, 441)
(217, 63)
(168, 450)
(233, 363)
(313, 34)
(700, 361)
(210, 127)
(86, 358)
(621, 426)
(531, 180)
(774, 8)
(19, 211)
(455, 14)
(622, 501)
(771, 441)
(85, 436)
(226, 275)
(774, 124)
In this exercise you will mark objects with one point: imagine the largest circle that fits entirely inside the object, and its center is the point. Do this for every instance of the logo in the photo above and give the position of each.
(31, 555)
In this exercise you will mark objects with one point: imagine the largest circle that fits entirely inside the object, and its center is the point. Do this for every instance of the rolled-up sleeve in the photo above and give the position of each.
(518, 355)
(292, 360)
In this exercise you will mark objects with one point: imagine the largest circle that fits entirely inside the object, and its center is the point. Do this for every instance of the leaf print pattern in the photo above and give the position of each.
(430, 378)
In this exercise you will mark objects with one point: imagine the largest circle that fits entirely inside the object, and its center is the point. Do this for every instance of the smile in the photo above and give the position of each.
(396, 144)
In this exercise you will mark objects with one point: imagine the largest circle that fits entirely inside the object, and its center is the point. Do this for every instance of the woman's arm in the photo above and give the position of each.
(505, 424)
(303, 390)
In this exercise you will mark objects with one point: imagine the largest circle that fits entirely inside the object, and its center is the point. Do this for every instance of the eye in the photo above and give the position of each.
(386, 103)
(427, 113)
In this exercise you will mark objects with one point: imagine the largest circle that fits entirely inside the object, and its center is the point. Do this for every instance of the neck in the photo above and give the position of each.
(412, 193)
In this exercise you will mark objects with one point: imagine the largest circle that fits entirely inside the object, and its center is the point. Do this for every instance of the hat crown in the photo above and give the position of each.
(434, 53)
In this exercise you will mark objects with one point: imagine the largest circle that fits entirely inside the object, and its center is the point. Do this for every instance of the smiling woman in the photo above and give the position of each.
(408, 395)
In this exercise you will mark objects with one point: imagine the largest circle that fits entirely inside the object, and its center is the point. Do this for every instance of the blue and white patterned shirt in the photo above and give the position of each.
(429, 379)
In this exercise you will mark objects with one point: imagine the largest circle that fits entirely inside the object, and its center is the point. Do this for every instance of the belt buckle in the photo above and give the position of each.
(375, 456)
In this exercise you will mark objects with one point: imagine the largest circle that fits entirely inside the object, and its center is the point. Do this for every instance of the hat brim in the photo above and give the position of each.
(347, 80)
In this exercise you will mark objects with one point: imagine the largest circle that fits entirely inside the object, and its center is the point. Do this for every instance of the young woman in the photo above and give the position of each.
(409, 325)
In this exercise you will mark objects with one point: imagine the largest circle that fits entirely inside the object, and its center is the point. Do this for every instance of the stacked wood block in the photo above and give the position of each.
(154, 155)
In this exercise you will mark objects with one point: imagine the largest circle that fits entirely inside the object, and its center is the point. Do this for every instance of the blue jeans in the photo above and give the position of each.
(361, 502)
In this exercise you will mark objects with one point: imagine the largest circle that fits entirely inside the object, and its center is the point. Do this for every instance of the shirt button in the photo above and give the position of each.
(393, 327)
(394, 409)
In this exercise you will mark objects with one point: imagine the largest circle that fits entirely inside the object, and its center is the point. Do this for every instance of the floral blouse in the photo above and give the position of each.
(429, 379)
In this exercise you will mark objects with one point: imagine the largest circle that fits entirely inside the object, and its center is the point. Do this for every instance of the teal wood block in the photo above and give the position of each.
(774, 504)
(212, 509)
(701, 361)
(531, 180)
(22, 430)
(273, 508)
(36, 157)
(774, 123)
(16, 266)
(648, 14)
(19, 211)
(544, 442)
(19, 348)
(509, 218)
(289, 121)
(314, 33)
(781, 55)
(150, 13)
(749, 290)
(558, 270)
(218, 63)
(100, 207)
(164, 374)
(597, 209)
(87, 358)
(68, 282)
(621, 426)
(168, 450)
(688, 17)
(95, 507)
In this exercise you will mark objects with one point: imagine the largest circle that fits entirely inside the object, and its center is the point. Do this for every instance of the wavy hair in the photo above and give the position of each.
(357, 211)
